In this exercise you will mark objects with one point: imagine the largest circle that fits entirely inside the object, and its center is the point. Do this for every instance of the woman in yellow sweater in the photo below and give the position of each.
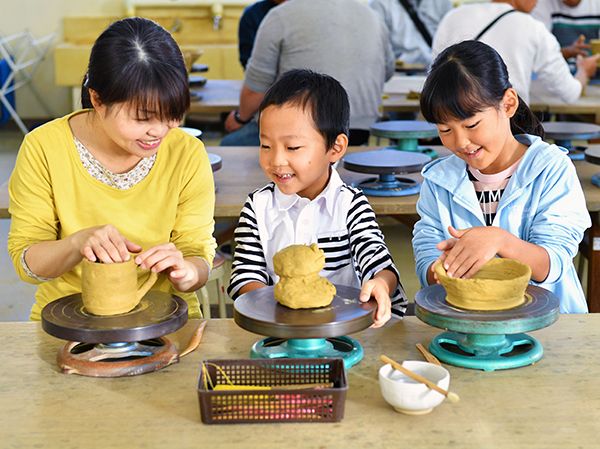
(118, 177)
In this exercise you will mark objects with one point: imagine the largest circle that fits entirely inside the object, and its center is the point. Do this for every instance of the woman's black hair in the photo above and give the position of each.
(323, 95)
(467, 78)
(137, 61)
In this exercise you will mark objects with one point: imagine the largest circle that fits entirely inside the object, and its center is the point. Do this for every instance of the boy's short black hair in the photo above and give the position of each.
(326, 98)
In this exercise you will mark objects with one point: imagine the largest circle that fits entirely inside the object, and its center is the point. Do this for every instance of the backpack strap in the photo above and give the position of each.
(492, 23)
(417, 21)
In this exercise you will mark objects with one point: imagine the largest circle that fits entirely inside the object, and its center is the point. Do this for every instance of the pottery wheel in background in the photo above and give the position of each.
(157, 314)
(258, 311)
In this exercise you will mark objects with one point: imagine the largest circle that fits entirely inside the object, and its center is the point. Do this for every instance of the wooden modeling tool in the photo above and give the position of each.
(428, 355)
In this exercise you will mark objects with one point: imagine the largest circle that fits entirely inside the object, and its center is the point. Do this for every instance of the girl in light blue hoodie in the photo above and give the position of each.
(504, 192)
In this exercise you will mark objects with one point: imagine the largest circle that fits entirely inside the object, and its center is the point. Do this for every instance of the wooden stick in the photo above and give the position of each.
(195, 340)
(428, 355)
(452, 397)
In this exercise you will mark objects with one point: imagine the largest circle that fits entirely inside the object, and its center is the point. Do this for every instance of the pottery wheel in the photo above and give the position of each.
(216, 162)
(404, 129)
(539, 310)
(385, 162)
(157, 314)
(571, 130)
(258, 311)
(592, 155)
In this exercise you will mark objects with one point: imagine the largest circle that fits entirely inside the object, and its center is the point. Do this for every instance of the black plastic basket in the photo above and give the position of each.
(293, 404)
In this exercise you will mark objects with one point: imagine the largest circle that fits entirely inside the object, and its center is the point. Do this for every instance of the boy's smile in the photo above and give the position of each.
(293, 153)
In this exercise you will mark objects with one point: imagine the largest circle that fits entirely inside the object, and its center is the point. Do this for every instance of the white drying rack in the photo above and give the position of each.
(23, 53)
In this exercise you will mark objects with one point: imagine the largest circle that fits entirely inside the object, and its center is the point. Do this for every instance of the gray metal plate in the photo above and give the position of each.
(157, 314)
(404, 129)
(539, 310)
(385, 162)
(258, 311)
(592, 155)
(571, 130)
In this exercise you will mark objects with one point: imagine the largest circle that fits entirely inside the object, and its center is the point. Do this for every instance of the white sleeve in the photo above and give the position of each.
(551, 68)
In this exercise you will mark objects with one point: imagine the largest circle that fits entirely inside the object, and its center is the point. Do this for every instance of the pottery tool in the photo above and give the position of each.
(116, 345)
(387, 163)
(195, 340)
(452, 397)
(305, 333)
(428, 355)
(487, 340)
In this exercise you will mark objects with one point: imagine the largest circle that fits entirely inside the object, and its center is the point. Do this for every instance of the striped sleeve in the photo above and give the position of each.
(249, 264)
(368, 248)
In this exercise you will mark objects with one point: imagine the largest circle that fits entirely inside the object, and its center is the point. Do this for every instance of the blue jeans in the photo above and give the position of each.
(246, 136)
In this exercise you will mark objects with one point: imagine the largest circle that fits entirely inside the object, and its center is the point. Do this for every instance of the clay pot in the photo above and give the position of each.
(112, 288)
(499, 284)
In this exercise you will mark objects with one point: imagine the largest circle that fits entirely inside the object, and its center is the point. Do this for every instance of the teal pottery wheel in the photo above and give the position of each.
(404, 135)
(487, 340)
(305, 333)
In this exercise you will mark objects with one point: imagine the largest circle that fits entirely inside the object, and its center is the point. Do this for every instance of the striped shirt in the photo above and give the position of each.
(340, 220)
(489, 189)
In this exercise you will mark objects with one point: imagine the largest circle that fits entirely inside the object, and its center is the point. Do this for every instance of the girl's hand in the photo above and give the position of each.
(378, 289)
(167, 258)
(471, 250)
(104, 243)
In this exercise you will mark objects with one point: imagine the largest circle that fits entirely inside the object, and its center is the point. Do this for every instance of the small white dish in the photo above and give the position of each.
(192, 131)
(408, 396)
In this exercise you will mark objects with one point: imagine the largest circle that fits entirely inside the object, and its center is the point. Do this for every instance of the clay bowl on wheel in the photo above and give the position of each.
(500, 284)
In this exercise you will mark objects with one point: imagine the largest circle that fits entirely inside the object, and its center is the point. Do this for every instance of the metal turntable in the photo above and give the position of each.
(117, 345)
(592, 155)
(387, 163)
(404, 135)
(490, 340)
(305, 333)
(563, 133)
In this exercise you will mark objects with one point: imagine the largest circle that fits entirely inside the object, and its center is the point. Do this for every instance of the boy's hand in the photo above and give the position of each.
(471, 249)
(378, 289)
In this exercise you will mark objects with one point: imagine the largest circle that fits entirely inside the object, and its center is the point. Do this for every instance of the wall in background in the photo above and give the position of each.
(41, 17)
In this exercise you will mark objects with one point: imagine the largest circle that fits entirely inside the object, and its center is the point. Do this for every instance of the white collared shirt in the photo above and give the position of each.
(339, 220)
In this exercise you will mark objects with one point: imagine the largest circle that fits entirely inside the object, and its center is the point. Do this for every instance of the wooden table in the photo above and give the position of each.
(553, 404)
(223, 96)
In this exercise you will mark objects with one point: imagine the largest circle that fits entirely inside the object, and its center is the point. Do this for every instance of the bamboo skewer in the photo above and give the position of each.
(452, 397)
(428, 355)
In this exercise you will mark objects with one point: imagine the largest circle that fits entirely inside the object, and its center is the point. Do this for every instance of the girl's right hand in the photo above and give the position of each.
(104, 243)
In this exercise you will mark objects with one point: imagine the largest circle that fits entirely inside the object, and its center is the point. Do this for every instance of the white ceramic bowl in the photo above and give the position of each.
(192, 131)
(409, 396)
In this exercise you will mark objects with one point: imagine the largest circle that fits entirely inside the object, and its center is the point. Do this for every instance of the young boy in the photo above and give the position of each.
(304, 121)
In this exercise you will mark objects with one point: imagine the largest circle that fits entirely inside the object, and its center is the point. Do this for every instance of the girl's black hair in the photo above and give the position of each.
(137, 61)
(323, 95)
(467, 78)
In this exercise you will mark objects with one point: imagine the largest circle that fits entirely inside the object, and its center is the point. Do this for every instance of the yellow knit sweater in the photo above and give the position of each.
(53, 196)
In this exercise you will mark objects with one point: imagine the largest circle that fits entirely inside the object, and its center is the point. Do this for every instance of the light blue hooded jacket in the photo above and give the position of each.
(543, 204)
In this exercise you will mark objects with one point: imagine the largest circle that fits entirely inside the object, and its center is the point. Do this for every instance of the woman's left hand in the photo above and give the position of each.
(168, 258)
(472, 248)
(378, 289)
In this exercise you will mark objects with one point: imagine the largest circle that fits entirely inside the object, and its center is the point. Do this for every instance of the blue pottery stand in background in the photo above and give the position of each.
(305, 333)
(404, 135)
(563, 133)
(592, 155)
(387, 163)
(487, 340)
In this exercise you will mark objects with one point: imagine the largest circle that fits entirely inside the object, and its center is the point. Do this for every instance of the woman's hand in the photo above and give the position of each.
(183, 273)
(104, 243)
(469, 249)
(379, 288)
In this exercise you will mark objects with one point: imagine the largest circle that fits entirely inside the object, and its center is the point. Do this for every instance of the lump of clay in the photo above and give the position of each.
(300, 286)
